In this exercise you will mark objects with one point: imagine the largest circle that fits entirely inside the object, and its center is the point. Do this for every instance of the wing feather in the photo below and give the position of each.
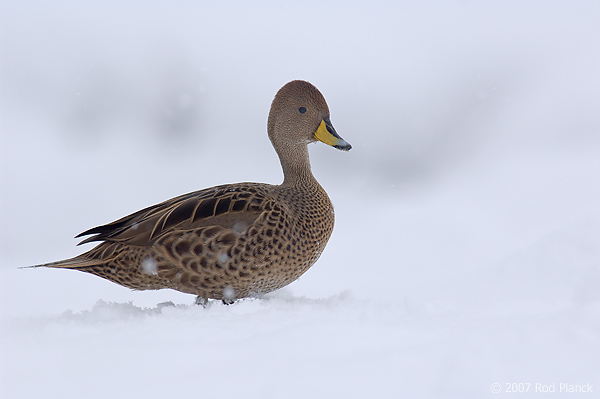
(222, 206)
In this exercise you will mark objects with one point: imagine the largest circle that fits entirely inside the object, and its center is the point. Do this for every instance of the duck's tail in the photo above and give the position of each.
(77, 262)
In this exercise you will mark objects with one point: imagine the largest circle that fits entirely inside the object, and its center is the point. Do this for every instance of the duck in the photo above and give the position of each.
(230, 241)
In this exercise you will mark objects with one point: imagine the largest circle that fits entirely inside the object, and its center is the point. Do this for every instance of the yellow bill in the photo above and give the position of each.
(327, 134)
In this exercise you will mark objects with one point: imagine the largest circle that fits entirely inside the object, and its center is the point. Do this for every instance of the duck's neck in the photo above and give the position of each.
(296, 166)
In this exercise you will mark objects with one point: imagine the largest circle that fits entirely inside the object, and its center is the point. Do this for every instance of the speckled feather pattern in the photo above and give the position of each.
(249, 259)
(230, 241)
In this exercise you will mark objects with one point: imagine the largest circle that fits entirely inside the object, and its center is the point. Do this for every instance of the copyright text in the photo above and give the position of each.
(538, 387)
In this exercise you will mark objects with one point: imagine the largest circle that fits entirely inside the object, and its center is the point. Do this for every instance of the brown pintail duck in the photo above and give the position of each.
(235, 240)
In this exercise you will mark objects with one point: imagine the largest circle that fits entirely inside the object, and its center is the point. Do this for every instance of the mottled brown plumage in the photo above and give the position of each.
(234, 240)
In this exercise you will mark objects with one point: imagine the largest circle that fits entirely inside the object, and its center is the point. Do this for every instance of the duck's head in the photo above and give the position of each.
(299, 115)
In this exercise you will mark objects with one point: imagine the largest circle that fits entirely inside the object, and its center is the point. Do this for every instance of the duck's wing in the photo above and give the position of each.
(232, 206)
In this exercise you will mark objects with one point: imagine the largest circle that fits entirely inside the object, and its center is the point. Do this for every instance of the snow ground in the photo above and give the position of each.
(466, 250)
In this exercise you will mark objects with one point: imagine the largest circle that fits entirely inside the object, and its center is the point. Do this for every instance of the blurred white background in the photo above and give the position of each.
(471, 192)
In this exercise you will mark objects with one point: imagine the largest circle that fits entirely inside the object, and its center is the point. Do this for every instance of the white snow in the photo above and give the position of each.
(228, 293)
(466, 251)
(223, 258)
(149, 266)
(239, 226)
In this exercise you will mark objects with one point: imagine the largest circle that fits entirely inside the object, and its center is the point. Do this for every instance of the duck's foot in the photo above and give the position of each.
(204, 302)
(201, 301)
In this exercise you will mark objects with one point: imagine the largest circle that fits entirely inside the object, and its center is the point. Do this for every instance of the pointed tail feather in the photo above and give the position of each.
(73, 263)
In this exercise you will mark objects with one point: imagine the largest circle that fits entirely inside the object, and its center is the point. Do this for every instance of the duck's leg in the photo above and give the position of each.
(201, 301)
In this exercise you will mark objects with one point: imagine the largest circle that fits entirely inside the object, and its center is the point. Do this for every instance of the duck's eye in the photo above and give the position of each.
(302, 110)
